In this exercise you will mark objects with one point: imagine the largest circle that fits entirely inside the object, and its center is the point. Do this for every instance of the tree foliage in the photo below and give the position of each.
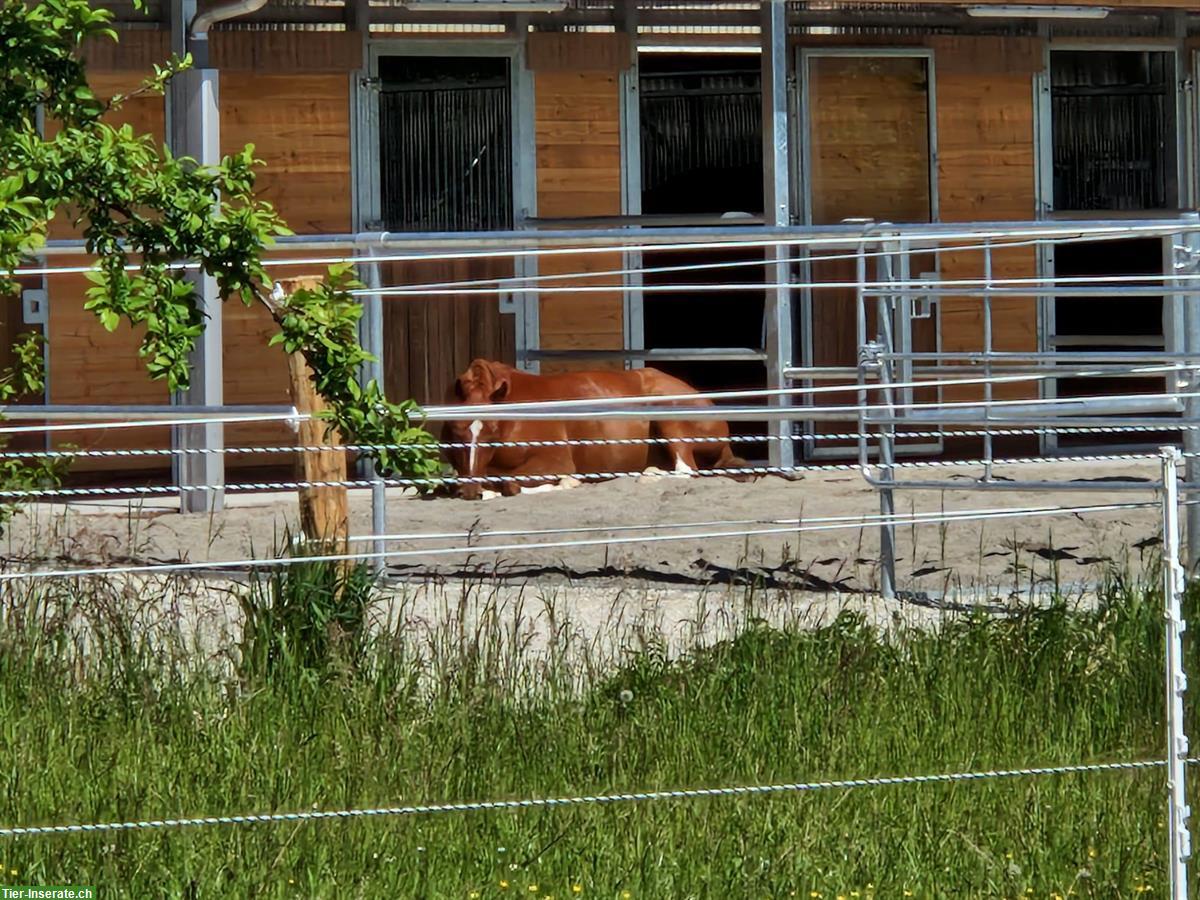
(142, 211)
(22, 378)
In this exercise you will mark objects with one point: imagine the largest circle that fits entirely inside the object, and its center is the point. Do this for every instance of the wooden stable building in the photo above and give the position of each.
(454, 115)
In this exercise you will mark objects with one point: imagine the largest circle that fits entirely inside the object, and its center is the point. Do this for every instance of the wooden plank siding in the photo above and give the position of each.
(987, 171)
(870, 153)
(300, 127)
(578, 131)
(290, 96)
(430, 340)
(88, 365)
(299, 123)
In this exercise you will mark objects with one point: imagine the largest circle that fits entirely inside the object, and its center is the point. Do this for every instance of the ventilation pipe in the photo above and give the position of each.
(198, 30)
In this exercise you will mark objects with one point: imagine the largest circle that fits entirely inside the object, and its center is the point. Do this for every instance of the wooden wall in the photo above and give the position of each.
(289, 95)
(88, 365)
(869, 138)
(300, 127)
(578, 127)
(430, 340)
(870, 154)
(987, 171)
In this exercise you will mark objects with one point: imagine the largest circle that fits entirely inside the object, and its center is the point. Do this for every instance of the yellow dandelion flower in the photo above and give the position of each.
(504, 885)
(625, 895)
(1091, 852)
(533, 889)
(577, 889)
(12, 871)
(908, 893)
(814, 894)
(473, 895)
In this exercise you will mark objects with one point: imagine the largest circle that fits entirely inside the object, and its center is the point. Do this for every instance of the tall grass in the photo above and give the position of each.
(101, 721)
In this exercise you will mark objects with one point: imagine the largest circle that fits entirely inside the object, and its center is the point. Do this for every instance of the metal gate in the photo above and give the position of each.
(445, 164)
(445, 136)
(697, 122)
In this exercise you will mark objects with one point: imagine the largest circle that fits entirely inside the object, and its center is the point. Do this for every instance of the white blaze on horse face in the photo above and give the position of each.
(475, 429)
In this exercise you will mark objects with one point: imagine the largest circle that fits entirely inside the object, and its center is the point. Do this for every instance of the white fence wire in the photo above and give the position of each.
(750, 790)
(988, 419)
(470, 549)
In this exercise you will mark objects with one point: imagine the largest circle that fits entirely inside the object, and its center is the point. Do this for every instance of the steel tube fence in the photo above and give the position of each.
(1178, 810)
(889, 377)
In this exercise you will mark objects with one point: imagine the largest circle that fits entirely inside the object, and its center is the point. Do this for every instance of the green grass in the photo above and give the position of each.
(136, 729)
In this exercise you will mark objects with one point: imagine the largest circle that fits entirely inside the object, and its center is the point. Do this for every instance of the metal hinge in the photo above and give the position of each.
(922, 307)
(374, 83)
(869, 356)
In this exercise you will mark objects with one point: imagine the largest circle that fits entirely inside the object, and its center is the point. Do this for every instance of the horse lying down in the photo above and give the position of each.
(688, 444)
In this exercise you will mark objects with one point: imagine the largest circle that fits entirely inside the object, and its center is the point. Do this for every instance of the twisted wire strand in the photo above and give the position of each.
(753, 790)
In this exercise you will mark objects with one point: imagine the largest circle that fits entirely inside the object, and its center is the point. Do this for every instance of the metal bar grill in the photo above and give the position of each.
(1112, 114)
(446, 156)
(699, 121)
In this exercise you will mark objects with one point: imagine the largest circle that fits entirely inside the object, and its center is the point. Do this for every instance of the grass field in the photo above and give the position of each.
(316, 711)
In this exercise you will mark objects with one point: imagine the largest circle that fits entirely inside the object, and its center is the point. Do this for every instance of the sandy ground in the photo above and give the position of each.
(606, 568)
(663, 531)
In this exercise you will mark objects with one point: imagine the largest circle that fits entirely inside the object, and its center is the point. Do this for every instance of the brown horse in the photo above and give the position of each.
(689, 444)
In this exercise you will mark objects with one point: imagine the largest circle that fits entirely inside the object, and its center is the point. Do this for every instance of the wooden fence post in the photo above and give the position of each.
(324, 511)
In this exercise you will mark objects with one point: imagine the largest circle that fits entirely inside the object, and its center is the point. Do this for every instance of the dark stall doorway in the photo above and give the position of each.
(1097, 324)
(701, 149)
(1113, 125)
(445, 158)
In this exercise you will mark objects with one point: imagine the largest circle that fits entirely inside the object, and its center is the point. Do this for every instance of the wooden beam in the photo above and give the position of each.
(358, 15)
(1117, 6)
(287, 51)
(563, 51)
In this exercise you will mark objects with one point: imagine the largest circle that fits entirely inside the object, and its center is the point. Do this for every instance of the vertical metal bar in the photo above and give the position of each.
(525, 205)
(631, 187)
(885, 310)
(1188, 263)
(860, 334)
(372, 341)
(987, 354)
(1177, 742)
(903, 322)
(195, 132)
(777, 212)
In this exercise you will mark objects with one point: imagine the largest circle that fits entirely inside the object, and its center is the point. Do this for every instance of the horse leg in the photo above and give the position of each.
(543, 467)
(682, 452)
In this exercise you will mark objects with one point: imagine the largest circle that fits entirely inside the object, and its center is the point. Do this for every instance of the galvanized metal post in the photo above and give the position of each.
(988, 348)
(1177, 743)
(371, 336)
(1187, 262)
(631, 187)
(885, 312)
(195, 132)
(777, 212)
